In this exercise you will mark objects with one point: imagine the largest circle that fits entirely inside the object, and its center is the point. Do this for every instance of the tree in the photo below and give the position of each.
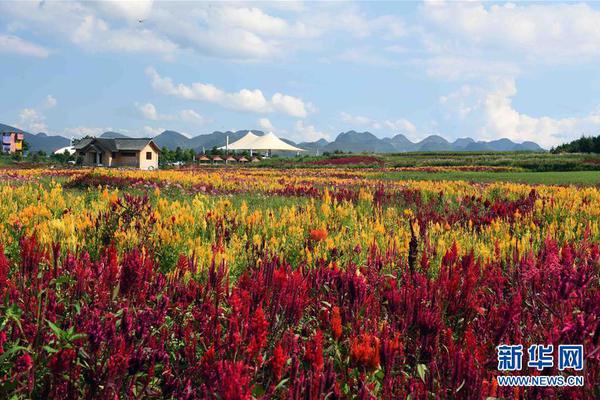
(584, 144)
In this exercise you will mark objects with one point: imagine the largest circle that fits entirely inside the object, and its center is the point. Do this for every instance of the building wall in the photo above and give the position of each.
(89, 159)
(148, 164)
(11, 142)
(136, 160)
(121, 160)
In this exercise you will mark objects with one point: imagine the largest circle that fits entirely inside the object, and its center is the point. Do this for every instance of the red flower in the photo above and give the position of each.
(336, 323)
(62, 361)
(314, 352)
(4, 267)
(258, 330)
(278, 361)
(364, 351)
(24, 363)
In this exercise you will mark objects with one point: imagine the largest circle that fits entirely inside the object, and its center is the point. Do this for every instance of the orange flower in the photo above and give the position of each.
(318, 234)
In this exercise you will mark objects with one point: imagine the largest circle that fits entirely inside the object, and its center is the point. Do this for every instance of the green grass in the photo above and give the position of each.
(588, 178)
(518, 160)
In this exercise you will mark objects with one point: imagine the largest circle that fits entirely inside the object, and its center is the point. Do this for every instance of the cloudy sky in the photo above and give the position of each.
(525, 71)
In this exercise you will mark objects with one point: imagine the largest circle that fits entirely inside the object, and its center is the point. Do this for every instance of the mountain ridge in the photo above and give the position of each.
(349, 141)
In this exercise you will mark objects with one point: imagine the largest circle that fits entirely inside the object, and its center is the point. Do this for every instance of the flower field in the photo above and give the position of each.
(302, 283)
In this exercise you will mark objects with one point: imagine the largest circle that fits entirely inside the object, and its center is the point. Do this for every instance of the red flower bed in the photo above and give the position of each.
(353, 160)
(117, 327)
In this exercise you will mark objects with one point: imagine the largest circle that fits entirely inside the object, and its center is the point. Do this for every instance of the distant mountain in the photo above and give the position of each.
(8, 128)
(351, 141)
(40, 141)
(313, 147)
(400, 143)
(529, 146)
(113, 135)
(434, 143)
(357, 142)
(43, 142)
(172, 140)
(367, 142)
(462, 143)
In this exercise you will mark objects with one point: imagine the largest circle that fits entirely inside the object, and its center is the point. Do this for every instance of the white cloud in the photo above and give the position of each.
(50, 101)
(151, 131)
(356, 119)
(128, 10)
(308, 133)
(362, 56)
(350, 19)
(237, 31)
(265, 124)
(148, 111)
(80, 131)
(251, 19)
(402, 125)
(81, 25)
(15, 45)
(460, 67)
(193, 117)
(33, 121)
(489, 112)
(243, 100)
(549, 32)
(95, 34)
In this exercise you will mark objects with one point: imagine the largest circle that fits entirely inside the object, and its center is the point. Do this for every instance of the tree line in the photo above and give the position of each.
(585, 144)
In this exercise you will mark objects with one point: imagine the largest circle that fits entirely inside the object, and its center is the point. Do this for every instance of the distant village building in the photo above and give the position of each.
(122, 152)
(12, 142)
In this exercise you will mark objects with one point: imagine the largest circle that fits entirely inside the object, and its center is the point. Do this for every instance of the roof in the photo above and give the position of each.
(243, 143)
(266, 142)
(118, 144)
(271, 142)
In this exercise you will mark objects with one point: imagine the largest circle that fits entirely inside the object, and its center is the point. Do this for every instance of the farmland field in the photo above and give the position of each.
(338, 282)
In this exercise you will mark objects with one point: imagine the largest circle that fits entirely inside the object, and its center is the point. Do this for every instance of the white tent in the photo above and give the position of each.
(271, 142)
(70, 149)
(266, 142)
(244, 143)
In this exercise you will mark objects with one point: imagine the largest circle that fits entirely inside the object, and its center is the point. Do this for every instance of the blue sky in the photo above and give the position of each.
(526, 71)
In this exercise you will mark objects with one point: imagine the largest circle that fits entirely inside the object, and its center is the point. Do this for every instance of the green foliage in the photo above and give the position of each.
(585, 144)
(63, 158)
(168, 156)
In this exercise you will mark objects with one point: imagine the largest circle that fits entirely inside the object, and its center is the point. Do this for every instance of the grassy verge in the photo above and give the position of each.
(547, 178)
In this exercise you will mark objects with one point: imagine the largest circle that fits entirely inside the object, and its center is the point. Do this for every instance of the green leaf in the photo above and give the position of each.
(258, 391)
(281, 384)
(57, 331)
(77, 336)
(49, 349)
(422, 370)
(9, 352)
(115, 292)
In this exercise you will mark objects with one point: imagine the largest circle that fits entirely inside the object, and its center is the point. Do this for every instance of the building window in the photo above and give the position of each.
(128, 154)
(148, 155)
